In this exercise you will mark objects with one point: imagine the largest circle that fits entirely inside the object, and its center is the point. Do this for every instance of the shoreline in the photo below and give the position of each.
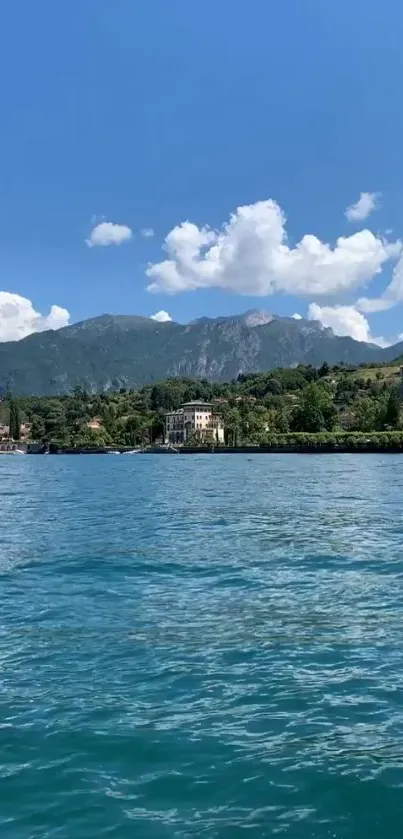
(231, 450)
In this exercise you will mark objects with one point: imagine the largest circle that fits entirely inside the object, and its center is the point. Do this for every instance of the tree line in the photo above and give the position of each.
(256, 407)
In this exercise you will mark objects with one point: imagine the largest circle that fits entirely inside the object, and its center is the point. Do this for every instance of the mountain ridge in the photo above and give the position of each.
(108, 352)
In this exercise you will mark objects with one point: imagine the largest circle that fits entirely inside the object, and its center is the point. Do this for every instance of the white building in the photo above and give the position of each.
(194, 419)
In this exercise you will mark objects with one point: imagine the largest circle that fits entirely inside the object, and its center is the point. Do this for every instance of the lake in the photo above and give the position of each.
(201, 646)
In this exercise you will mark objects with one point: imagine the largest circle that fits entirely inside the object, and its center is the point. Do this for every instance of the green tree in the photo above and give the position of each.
(232, 422)
(55, 424)
(392, 413)
(282, 423)
(324, 370)
(166, 395)
(254, 425)
(15, 421)
(38, 428)
(108, 415)
(274, 387)
(193, 439)
(366, 414)
(133, 430)
(310, 415)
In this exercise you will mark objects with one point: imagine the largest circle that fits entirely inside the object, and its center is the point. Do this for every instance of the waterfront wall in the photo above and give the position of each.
(325, 449)
(368, 448)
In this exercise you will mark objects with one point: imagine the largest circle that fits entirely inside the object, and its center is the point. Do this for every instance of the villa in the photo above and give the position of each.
(195, 420)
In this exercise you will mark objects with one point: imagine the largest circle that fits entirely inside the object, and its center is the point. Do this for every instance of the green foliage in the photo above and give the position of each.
(366, 414)
(324, 370)
(392, 412)
(301, 407)
(316, 411)
(14, 420)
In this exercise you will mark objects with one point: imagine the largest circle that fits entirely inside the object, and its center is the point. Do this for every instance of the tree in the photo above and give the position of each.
(274, 387)
(308, 417)
(80, 394)
(324, 370)
(56, 427)
(134, 430)
(392, 413)
(255, 425)
(232, 422)
(109, 419)
(193, 439)
(282, 424)
(38, 428)
(366, 414)
(316, 412)
(166, 395)
(15, 422)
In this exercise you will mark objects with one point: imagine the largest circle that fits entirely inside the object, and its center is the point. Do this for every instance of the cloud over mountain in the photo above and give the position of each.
(161, 317)
(18, 318)
(345, 320)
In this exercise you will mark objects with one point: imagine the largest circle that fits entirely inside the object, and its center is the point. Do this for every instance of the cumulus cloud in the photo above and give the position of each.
(161, 316)
(147, 232)
(392, 295)
(345, 320)
(107, 233)
(18, 317)
(296, 316)
(250, 255)
(366, 204)
(374, 304)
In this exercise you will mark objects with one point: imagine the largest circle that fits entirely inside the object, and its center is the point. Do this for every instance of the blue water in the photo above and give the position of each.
(205, 646)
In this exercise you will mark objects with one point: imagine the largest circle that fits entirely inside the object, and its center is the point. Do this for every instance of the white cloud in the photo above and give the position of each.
(250, 255)
(344, 320)
(147, 232)
(296, 316)
(107, 233)
(161, 317)
(392, 295)
(366, 204)
(18, 317)
(374, 304)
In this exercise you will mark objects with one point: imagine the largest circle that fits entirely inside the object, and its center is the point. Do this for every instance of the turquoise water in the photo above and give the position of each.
(205, 646)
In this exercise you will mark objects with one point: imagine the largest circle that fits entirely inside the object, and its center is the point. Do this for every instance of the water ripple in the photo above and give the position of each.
(201, 647)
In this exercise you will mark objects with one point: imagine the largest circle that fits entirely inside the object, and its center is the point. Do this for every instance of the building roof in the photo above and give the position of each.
(199, 402)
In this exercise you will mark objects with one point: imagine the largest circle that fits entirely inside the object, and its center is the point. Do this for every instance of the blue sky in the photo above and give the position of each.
(149, 114)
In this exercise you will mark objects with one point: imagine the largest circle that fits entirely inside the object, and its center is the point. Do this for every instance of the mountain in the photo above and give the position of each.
(109, 352)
